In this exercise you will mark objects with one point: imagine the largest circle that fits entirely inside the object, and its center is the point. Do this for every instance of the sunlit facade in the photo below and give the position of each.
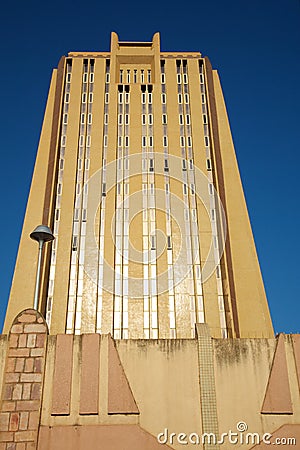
(140, 184)
(152, 329)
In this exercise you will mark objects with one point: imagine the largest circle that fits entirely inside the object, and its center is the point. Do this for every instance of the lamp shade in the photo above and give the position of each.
(42, 233)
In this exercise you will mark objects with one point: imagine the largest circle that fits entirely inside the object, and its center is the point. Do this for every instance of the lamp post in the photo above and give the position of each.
(41, 234)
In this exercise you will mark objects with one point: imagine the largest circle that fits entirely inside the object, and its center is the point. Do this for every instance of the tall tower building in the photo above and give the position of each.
(136, 173)
(152, 329)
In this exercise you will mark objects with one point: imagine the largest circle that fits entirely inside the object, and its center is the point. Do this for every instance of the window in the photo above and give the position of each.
(83, 100)
(106, 97)
(75, 243)
(152, 242)
(65, 119)
(186, 98)
(164, 119)
(206, 141)
(204, 118)
(90, 118)
(163, 78)
(169, 242)
(107, 78)
(181, 141)
(165, 141)
(150, 119)
(189, 141)
(92, 77)
(163, 98)
(143, 141)
(126, 119)
(151, 165)
(185, 78)
(179, 98)
(91, 97)
(180, 119)
(143, 119)
(184, 164)
(120, 119)
(150, 98)
(143, 98)
(126, 97)
(121, 76)
(178, 78)
(208, 164)
(126, 141)
(82, 119)
(67, 97)
(135, 76)
(68, 77)
(166, 167)
(142, 76)
(149, 76)
(128, 76)
(85, 77)
(150, 141)
(188, 119)
(201, 78)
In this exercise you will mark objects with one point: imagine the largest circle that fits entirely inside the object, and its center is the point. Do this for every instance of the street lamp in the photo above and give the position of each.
(41, 234)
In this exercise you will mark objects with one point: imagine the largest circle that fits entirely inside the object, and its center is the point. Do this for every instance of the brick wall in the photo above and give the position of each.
(23, 382)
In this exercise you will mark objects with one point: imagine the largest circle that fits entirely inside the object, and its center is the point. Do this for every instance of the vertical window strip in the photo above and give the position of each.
(191, 228)
(118, 266)
(145, 188)
(152, 226)
(59, 189)
(103, 206)
(172, 310)
(120, 323)
(194, 228)
(74, 311)
(125, 218)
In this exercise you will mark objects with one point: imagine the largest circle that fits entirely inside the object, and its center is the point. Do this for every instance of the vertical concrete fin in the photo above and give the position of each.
(296, 347)
(278, 396)
(89, 382)
(120, 397)
(62, 379)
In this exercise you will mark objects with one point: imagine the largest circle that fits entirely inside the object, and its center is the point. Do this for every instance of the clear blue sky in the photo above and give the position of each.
(255, 45)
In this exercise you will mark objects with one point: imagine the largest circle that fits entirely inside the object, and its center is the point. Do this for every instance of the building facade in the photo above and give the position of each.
(153, 329)
(139, 181)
